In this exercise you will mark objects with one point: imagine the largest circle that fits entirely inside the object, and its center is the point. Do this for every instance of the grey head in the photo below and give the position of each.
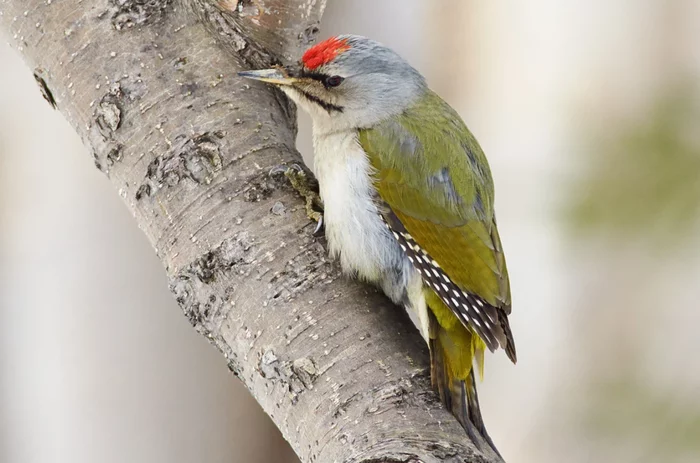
(347, 82)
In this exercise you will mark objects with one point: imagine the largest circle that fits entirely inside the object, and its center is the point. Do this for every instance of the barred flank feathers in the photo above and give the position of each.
(473, 311)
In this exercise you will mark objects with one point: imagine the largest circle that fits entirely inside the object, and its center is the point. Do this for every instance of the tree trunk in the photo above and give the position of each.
(151, 87)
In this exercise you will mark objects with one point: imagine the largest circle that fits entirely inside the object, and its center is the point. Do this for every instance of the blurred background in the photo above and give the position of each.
(589, 112)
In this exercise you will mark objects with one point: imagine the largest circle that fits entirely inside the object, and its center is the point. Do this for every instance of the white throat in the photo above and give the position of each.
(350, 214)
(356, 234)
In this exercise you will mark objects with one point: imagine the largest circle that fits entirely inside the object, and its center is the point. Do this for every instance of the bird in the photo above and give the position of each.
(408, 204)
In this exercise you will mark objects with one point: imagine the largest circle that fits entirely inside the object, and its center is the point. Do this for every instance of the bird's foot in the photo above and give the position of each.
(308, 189)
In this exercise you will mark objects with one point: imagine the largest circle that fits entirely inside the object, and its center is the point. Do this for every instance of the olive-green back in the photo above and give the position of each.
(432, 174)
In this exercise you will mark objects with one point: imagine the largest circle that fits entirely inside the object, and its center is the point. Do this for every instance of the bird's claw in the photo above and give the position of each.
(318, 231)
(305, 186)
(284, 168)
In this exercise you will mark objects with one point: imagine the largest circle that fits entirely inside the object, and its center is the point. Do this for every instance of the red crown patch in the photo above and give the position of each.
(324, 52)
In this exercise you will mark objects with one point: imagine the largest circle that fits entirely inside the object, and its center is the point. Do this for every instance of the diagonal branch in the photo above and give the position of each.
(149, 85)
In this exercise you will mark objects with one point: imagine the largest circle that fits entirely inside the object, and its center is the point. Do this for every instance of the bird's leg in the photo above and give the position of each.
(308, 189)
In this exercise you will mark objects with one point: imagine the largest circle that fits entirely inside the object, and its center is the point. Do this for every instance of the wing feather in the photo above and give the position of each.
(437, 191)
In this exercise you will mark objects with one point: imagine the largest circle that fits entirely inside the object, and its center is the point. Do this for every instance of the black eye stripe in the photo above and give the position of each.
(330, 107)
(323, 78)
(328, 81)
(315, 76)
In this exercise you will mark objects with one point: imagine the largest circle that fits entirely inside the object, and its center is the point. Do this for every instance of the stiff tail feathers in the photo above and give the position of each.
(458, 395)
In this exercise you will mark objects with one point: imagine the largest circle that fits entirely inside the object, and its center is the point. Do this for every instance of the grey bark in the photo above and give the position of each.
(151, 87)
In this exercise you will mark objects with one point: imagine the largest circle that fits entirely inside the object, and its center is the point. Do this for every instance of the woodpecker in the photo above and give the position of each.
(408, 204)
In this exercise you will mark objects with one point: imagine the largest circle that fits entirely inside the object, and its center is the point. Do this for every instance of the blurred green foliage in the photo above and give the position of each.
(640, 181)
(643, 180)
(661, 426)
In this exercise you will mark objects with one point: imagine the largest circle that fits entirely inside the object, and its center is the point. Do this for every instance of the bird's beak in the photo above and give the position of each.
(276, 76)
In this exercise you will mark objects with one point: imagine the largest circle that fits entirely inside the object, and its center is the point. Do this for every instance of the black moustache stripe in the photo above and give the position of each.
(330, 107)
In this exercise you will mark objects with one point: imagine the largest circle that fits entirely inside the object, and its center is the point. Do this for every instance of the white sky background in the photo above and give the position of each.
(97, 362)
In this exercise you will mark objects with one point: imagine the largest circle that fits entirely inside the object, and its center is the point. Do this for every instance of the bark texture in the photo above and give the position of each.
(151, 87)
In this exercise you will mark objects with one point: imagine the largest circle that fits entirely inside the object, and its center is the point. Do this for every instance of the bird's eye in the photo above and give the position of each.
(333, 81)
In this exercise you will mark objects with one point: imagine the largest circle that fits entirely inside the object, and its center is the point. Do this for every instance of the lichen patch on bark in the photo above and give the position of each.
(194, 160)
(296, 376)
(193, 286)
(129, 13)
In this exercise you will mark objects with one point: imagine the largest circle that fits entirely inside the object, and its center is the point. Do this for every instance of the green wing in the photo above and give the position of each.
(437, 188)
